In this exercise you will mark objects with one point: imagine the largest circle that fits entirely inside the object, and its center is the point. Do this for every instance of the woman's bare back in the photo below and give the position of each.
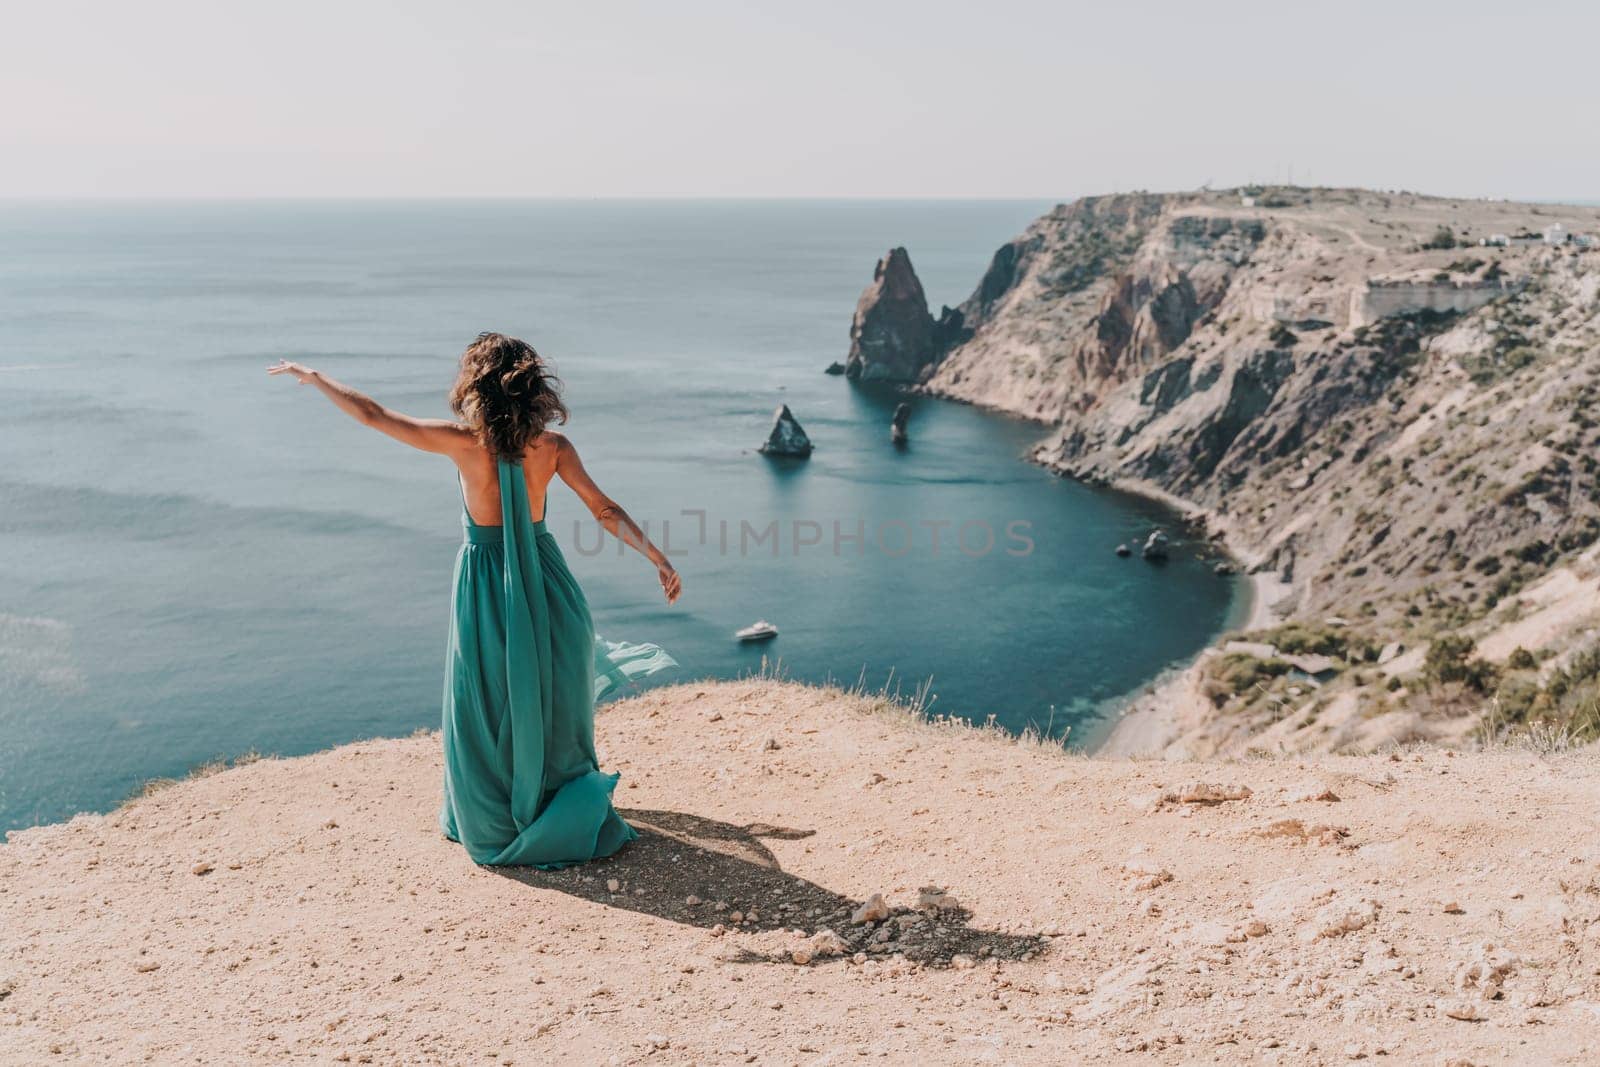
(480, 478)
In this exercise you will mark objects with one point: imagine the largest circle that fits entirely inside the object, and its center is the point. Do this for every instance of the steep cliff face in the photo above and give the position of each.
(1092, 295)
(1383, 470)
(1403, 469)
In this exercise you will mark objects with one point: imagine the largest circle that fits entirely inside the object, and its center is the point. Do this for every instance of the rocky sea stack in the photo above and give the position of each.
(893, 337)
(787, 437)
(897, 424)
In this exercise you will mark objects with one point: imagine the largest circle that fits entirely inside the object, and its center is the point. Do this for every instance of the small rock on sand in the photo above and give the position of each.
(1299, 832)
(1465, 1010)
(1242, 933)
(1337, 919)
(203, 868)
(1210, 793)
(820, 945)
(1485, 973)
(1146, 872)
(932, 898)
(872, 910)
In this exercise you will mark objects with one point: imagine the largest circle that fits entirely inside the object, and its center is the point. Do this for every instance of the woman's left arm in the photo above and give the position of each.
(429, 435)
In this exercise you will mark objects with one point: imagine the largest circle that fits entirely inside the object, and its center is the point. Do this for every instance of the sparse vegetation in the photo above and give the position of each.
(1239, 674)
(150, 787)
(1300, 638)
(1444, 237)
(1489, 367)
(1450, 660)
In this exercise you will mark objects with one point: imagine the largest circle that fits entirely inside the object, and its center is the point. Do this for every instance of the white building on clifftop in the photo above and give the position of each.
(1382, 298)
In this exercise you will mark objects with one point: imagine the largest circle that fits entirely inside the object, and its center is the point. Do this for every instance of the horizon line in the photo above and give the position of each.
(356, 198)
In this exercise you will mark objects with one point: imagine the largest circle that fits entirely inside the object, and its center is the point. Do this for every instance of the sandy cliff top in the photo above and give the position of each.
(1429, 907)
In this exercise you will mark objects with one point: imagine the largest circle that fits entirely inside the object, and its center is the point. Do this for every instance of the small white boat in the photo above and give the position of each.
(760, 630)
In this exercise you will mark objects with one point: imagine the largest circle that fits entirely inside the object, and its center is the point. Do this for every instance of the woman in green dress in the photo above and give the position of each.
(525, 667)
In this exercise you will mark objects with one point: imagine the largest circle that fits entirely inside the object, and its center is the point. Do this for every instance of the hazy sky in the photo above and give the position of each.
(802, 98)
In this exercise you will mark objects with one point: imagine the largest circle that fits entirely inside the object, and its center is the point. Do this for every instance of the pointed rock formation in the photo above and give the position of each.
(893, 337)
(1156, 546)
(786, 438)
(897, 425)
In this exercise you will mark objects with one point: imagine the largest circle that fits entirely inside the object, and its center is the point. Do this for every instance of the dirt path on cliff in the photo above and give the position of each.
(1425, 909)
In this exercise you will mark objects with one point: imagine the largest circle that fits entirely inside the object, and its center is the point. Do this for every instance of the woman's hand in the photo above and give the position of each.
(303, 374)
(671, 584)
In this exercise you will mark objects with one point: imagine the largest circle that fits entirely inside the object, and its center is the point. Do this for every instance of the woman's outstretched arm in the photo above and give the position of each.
(429, 435)
(610, 515)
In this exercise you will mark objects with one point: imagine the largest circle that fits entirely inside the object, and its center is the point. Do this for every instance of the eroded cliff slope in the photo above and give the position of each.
(1391, 422)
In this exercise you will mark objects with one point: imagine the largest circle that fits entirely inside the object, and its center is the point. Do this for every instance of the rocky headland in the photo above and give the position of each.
(1383, 404)
(820, 878)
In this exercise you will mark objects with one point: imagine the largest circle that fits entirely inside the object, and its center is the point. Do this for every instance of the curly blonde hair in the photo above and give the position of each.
(505, 393)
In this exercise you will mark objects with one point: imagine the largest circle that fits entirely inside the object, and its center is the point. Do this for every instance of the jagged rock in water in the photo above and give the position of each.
(834, 368)
(1124, 551)
(1156, 545)
(897, 425)
(893, 337)
(787, 438)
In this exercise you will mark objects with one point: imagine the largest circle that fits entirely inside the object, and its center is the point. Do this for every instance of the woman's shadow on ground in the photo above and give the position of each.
(679, 857)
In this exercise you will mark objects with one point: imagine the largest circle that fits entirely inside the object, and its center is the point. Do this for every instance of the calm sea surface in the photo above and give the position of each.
(197, 560)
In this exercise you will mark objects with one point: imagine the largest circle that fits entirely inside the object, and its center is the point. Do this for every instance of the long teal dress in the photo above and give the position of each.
(522, 786)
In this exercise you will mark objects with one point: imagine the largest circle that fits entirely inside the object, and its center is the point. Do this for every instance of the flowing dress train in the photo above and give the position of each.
(522, 786)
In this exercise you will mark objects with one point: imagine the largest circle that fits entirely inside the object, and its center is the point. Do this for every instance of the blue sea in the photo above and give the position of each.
(197, 560)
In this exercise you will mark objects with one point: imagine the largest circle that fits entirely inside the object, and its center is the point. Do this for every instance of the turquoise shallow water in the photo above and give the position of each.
(196, 560)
